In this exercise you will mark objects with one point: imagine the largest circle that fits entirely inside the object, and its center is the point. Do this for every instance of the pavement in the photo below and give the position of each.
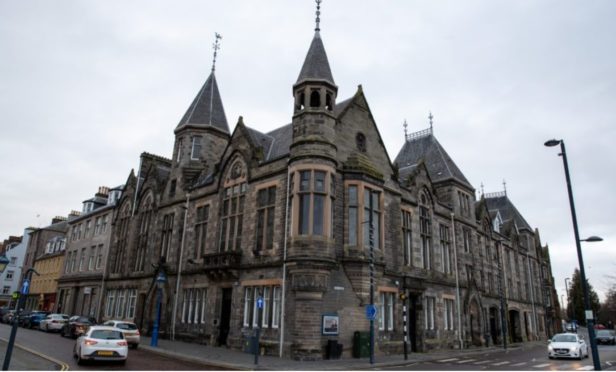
(24, 359)
(223, 358)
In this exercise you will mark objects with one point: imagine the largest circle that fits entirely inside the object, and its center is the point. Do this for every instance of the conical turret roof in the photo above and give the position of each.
(206, 109)
(316, 64)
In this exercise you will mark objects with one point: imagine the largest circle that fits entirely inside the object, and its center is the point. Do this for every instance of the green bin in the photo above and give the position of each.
(361, 344)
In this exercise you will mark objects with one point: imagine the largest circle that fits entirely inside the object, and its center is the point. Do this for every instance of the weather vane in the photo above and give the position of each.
(406, 137)
(505, 187)
(482, 189)
(318, 14)
(216, 47)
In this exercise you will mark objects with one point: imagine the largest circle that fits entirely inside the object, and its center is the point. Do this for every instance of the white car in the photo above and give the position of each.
(101, 343)
(130, 330)
(53, 322)
(567, 345)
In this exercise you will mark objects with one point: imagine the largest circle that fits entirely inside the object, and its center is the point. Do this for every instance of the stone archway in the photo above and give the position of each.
(515, 326)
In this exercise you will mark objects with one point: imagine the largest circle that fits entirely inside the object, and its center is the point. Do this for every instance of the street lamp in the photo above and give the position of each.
(3, 263)
(25, 289)
(161, 279)
(589, 314)
(569, 299)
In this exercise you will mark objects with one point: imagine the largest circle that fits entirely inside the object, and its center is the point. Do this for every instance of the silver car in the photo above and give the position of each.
(130, 331)
(53, 322)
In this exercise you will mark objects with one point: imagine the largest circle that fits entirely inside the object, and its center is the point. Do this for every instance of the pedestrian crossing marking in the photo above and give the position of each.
(586, 368)
(518, 364)
(541, 365)
(467, 361)
(501, 363)
(447, 360)
(482, 362)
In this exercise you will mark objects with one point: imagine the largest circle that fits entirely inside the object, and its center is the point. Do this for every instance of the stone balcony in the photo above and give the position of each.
(222, 265)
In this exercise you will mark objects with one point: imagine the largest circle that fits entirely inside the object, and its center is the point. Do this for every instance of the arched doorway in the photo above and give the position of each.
(475, 322)
(494, 327)
(515, 327)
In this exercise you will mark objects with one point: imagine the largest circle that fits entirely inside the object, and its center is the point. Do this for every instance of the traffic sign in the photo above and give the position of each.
(25, 287)
(371, 312)
(259, 302)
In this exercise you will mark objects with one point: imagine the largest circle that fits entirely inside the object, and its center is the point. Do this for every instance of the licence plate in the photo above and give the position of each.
(105, 353)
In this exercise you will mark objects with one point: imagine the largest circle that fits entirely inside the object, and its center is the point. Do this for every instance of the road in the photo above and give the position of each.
(61, 349)
(528, 359)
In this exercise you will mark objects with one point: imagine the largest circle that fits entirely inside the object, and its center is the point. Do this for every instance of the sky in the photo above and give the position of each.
(86, 86)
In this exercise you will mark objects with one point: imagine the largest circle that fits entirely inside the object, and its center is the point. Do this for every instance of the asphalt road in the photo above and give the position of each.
(61, 349)
(527, 359)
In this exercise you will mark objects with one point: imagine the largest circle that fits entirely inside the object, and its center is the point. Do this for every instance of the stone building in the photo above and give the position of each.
(82, 274)
(278, 230)
(47, 245)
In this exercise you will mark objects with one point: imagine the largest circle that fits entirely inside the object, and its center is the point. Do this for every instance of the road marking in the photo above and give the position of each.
(482, 362)
(541, 365)
(447, 360)
(586, 368)
(63, 365)
(518, 364)
(501, 363)
(466, 361)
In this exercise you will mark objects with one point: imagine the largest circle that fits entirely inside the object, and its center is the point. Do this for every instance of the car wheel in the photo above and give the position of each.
(123, 362)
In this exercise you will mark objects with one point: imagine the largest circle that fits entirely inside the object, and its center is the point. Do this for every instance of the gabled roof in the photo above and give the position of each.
(316, 64)
(500, 203)
(439, 164)
(206, 109)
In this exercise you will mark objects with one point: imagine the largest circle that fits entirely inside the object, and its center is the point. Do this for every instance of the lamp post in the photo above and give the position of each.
(161, 279)
(25, 289)
(568, 298)
(588, 309)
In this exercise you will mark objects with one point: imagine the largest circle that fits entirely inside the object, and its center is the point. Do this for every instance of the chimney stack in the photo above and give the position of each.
(57, 219)
(103, 192)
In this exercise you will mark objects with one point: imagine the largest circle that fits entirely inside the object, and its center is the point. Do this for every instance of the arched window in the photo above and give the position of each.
(122, 237)
(315, 99)
(145, 216)
(425, 230)
(328, 102)
(300, 100)
(232, 207)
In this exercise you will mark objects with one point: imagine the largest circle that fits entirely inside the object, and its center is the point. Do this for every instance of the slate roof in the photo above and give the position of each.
(501, 203)
(316, 64)
(206, 108)
(439, 164)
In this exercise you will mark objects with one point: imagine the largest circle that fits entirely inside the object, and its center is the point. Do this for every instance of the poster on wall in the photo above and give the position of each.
(330, 324)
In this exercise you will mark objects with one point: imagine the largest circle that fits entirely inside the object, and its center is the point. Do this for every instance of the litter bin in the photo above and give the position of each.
(333, 350)
(361, 344)
(250, 343)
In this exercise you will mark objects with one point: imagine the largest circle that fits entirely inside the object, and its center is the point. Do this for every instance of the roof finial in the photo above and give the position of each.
(215, 46)
(482, 193)
(430, 117)
(406, 136)
(317, 28)
(505, 187)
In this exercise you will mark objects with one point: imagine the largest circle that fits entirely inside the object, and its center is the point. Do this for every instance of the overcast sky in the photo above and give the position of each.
(86, 86)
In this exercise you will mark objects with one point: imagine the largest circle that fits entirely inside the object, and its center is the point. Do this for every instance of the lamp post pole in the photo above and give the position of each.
(588, 309)
(569, 299)
(25, 288)
(160, 281)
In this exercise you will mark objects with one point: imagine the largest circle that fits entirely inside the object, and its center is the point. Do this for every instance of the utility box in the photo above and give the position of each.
(361, 344)
(333, 350)
(250, 344)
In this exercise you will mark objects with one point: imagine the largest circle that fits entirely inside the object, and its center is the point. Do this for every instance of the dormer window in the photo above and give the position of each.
(196, 148)
(87, 207)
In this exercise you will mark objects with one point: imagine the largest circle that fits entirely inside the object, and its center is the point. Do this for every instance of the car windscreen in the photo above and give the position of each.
(128, 326)
(106, 334)
(604, 333)
(564, 338)
(83, 320)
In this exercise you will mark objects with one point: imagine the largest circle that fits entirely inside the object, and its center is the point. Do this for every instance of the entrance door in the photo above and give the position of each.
(225, 316)
(493, 325)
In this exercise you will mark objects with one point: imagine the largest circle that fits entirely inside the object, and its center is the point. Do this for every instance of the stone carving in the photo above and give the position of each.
(309, 282)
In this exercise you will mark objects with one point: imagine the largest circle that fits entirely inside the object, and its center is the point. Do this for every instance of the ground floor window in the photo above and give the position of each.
(270, 312)
(193, 305)
(386, 311)
(430, 309)
(121, 303)
(449, 314)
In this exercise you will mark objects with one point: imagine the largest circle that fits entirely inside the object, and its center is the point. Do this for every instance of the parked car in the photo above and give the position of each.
(567, 345)
(53, 322)
(76, 326)
(7, 318)
(35, 318)
(571, 327)
(3, 311)
(606, 336)
(130, 330)
(101, 343)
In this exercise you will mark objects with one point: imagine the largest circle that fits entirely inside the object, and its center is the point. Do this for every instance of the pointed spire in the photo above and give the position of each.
(316, 64)
(206, 108)
(405, 125)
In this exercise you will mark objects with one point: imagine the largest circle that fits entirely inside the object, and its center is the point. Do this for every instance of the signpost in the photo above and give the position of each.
(371, 312)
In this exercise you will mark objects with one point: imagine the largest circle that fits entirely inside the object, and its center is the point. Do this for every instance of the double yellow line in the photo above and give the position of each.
(63, 366)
